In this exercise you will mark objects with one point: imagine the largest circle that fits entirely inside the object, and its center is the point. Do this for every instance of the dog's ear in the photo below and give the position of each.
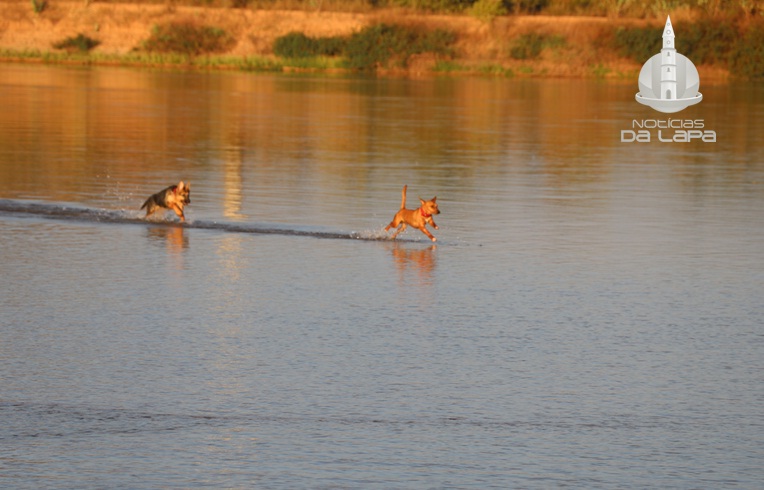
(181, 185)
(434, 198)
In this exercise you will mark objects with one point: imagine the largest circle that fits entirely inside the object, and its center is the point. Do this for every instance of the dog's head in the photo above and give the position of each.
(430, 207)
(183, 191)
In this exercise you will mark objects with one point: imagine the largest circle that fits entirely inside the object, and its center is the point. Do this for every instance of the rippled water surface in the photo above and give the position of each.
(591, 315)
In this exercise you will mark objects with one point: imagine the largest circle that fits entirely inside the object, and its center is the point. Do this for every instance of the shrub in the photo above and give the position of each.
(487, 10)
(435, 5)
(438, 41)
(295, 45)
(747, 56)
(298, 45)
(370, 48)
(39, 5)
(529, 46)
(707, 40)
(81, 43)
(529, 6)
(188, 38)
(376, 45)
(331, 46)
(639, 44)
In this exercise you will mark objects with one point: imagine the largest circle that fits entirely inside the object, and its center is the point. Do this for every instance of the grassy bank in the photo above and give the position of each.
(480, 39)
(634, 9)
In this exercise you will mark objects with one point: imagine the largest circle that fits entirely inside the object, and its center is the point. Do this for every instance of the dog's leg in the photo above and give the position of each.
(399, 230)
(394, 223)
(432, 221)
(423, 229)
(179, 211)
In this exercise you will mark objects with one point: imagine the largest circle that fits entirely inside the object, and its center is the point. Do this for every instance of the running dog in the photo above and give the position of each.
(416, 218)
(174, 197)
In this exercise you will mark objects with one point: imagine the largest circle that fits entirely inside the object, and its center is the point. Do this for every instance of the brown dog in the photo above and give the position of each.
(174, 197)
(416, 218)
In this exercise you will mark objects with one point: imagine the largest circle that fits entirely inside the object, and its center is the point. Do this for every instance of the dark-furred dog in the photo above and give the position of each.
(174, 197)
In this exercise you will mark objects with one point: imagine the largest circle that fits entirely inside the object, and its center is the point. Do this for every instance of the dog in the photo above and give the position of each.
(174, 197)
(416, 218)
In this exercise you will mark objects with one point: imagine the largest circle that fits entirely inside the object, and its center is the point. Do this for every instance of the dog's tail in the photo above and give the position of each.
(403, 198)
(147, 202)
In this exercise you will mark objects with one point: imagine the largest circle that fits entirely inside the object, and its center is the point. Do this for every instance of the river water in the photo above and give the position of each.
(591, 315)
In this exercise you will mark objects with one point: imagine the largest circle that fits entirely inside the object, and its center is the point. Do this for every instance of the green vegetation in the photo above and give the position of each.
(747, 55)
(611, 8)
(38, 6)
(708, 41)
(188, 38)
(729, 43)
(247, 63)
(80, 43)
(529, 46)
(599, 70)
(705, 41)
(376, 46)
(298, 45)
(638, 44)
(443, 6)
(487, 10)
(725, 34)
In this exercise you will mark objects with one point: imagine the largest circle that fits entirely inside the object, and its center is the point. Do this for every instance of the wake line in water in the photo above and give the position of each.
(70, 213)
(60, 420)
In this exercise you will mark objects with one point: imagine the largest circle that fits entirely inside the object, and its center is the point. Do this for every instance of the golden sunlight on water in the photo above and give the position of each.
(148, 117)
(590, 316)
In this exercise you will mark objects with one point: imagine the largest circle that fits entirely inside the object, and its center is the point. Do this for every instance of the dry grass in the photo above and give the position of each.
(480, 47)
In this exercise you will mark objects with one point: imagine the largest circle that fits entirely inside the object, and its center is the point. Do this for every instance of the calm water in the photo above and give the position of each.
(591, 316)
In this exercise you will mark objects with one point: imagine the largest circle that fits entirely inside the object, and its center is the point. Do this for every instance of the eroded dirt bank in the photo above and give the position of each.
(121, 28)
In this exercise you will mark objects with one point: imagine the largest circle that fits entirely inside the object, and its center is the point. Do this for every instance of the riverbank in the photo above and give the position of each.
(582, 46)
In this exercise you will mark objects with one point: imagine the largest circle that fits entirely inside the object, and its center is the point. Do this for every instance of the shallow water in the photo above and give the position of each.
(590, 316)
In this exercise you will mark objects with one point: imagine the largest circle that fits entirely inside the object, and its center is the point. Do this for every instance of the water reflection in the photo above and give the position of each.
(130, 126)
(229, 256)
(173, 238)
(627, 269)
(411, 261)
(233, 167)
